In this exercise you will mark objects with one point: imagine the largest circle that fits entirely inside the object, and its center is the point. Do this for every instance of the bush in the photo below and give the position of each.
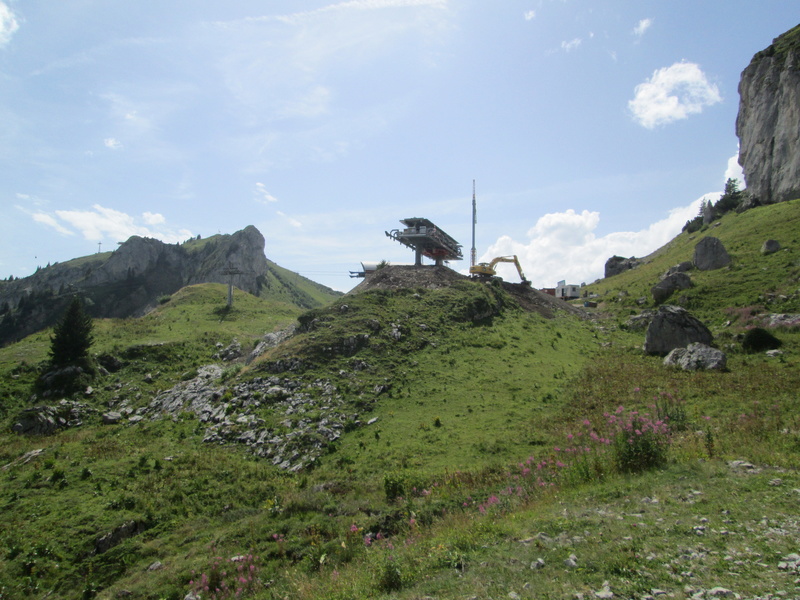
(759, 340)
(640, 443)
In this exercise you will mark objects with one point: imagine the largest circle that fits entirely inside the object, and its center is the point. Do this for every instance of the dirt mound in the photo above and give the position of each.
(431, 277)
(397, 277)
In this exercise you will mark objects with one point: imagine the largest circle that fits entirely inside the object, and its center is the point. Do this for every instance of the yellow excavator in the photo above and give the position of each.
(487, 270)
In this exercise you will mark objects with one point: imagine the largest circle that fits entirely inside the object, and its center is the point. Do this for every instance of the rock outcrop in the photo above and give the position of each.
(768, 123)
(619, 264)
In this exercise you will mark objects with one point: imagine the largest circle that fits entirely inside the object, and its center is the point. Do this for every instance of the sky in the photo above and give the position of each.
(591, 128)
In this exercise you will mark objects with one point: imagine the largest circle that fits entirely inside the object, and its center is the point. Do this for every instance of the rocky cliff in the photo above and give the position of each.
(768, 123)
(130, 281)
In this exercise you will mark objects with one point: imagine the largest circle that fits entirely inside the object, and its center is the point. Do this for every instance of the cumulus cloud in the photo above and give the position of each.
(153, 218)
(564, 245)
(672, 93)
(734, 170)
(8, 24)
(262, 195)
(641, 27)
(103, 223)
(530, 15)
(569, 46)
(112, 143)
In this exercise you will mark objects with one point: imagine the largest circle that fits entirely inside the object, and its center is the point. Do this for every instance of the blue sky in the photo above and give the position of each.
(591, 127)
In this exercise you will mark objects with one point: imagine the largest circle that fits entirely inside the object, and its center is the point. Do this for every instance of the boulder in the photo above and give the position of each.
(664, 288)
(682, 267)
(770, 247)
(696, 357)
(673, 327)
(710, 254)
(619, 264)
(640, 321)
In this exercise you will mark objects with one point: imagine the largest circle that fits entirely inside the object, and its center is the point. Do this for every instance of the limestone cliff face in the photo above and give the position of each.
(129, 281)
(768, 123)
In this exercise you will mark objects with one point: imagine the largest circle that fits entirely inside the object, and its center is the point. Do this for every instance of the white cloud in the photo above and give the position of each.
(8, 24)
(734, 170)
(672, 93)
(50, 221)
(571, 45)
(564, 246)
(290, 220)
(530, 15)
(112, 143)
(641, 27)
(153, 218)
(262, 195)
(103, 223)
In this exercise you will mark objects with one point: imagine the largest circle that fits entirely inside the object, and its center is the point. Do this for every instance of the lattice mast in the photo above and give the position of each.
(473, 255)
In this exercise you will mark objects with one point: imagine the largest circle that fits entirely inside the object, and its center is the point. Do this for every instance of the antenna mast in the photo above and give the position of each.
(473, 257)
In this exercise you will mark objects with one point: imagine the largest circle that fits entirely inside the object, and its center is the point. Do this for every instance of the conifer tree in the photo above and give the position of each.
(72, 336)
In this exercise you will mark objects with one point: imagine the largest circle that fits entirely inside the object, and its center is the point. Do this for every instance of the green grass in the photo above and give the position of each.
(432, 499)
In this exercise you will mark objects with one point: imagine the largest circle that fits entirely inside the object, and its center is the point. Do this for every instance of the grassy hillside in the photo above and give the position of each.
(483, 452)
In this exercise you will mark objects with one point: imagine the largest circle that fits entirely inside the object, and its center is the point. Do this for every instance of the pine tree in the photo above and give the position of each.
(72, 336)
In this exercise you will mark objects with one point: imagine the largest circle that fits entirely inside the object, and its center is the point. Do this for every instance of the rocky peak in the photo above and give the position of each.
(130, 280)
(768, 123)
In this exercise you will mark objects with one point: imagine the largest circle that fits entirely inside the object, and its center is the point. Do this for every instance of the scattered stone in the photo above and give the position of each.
(605, 592)
(537, 564)
(24, 459)
(571, 562)
(710, 254)
(696, 357)
(720, 592)
(155, 566)
(233, 351)
(112, 417)
(45, 420)
(775, 482)
(118, 535)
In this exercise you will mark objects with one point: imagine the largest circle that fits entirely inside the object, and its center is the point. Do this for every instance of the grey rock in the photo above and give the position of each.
(673, 327)
(118, 535)
(665, 288)
(112, 417)
(618, 264)
(768, 125)
(45, 420)
(640, 321)
(710, 254)
(770, 247)
(696, 357)
(682, 267)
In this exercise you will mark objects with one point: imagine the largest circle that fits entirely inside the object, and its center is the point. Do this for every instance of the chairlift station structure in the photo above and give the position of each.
(426, 239)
